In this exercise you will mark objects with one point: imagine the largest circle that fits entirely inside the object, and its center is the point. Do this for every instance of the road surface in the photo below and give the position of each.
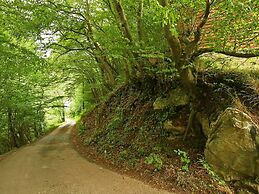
(52, 166)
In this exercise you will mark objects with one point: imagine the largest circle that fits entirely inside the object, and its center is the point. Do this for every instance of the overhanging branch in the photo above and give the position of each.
(197, 33)
(172, 40)
(229, 53)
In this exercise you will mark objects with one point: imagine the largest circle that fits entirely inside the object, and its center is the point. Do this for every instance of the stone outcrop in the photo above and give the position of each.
(232, 148)
(176, 97)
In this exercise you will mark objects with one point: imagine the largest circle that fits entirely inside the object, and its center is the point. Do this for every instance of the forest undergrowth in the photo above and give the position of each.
(125, 133)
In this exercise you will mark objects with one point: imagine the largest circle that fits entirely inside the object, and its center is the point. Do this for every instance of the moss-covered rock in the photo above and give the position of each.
(232, 146)
(176, 97)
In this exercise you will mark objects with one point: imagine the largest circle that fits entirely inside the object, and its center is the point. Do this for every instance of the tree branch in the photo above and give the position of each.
(76, 32)
(72, 12)
(75, 40)
(140, 27)
(57, 106)
(197, 34)
(122, 20)
(229, 53)
(172, 40)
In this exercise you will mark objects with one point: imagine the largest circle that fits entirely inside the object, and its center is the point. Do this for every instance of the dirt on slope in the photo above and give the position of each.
(125, 133)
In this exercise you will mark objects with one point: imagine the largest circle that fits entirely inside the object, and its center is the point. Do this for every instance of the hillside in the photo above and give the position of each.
(174, 85)
(134, 134)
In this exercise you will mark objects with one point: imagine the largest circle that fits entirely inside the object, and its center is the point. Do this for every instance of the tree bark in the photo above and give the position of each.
(35, 129)
(125, 30)
(182, 61)
(108, 71)
(11, 129)
(121, 17)
(140, 21)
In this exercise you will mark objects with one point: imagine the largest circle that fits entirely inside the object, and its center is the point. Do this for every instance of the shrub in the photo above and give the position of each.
(155, 160)
(184, 159)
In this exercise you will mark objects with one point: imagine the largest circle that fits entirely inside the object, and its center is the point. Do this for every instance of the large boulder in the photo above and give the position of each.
(232, 148)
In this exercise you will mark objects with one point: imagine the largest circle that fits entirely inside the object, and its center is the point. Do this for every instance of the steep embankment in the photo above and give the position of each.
(138, 131)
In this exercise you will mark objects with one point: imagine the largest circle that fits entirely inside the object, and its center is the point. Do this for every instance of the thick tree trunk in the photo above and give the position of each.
(189, 83)
(108, 72)
(182, 56)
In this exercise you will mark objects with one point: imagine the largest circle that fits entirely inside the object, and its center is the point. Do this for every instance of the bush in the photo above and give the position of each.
(81, 128)
(155, 160)
(184, 158)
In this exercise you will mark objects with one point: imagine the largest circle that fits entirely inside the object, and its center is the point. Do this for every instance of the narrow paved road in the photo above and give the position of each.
(52, 166)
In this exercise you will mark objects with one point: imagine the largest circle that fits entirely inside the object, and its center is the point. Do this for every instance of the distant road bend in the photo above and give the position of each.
(52, 166)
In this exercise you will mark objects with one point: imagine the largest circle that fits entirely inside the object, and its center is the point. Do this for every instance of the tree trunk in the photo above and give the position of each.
(108, 71)
(63, 114)
(11, 129)
(140, 21)
(123, 24)
(22, 135)
(122, 20)
(188, 81)
(35, 129)
(181, 60)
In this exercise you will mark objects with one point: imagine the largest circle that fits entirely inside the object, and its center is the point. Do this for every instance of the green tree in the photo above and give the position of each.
(21, 94)
(188, 35)
(24, 77)
(100, 42)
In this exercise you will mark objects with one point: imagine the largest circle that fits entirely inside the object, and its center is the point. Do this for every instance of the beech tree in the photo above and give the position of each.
(192, 28)
(24, 77)
(206, 26)
(106, 41)
(21, 93)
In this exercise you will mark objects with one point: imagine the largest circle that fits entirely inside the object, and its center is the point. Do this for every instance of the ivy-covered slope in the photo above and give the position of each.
(128, 134)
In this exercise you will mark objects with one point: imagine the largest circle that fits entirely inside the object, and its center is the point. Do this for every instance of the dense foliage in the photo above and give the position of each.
(21, 92)
(94, 45)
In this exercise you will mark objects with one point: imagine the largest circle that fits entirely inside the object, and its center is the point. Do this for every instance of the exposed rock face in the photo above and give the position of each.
(176, 97)
(232, 148)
